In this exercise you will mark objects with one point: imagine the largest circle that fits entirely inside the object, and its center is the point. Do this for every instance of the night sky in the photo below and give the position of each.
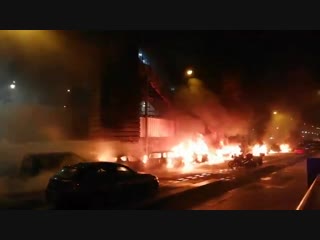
(263, 68)
(267, 67)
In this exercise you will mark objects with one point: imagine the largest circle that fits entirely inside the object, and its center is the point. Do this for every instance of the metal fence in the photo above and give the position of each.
(311, 199)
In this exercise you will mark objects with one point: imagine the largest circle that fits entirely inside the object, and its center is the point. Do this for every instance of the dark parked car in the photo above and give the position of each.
(98, 184)
(34, 164)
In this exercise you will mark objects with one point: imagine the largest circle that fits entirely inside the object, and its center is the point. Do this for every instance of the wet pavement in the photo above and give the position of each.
(177, 181)
(280, 190)
(220, 171)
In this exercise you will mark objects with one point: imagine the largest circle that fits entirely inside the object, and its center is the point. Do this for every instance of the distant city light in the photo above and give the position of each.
(173, 89)
(64, 106)
(140, 54)
(275, 113)
(12, 86)
(68, 90)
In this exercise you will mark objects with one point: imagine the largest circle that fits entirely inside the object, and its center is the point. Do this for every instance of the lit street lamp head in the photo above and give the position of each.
(189, 72)
(275, 113)
(12, 86)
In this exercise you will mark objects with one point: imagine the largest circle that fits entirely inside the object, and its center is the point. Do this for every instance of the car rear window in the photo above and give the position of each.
(68, 173)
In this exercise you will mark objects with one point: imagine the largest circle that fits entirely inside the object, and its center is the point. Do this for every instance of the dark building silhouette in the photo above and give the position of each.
(110, 107)
(117, 97)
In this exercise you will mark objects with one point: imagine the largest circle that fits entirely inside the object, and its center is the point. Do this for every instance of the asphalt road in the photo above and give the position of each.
(195, 196)
(207, 172)
(281, 190)
(171, 182)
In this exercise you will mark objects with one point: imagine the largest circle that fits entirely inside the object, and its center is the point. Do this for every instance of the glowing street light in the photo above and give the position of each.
(12, 86)
(189, 72)
(275, 113)
(68, 90)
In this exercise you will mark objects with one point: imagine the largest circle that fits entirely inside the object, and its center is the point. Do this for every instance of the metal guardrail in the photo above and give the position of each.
(311, 199)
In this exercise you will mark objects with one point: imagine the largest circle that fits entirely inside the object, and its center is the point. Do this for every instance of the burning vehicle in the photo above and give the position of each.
(193, 152)
(130, 161)
(163, 159)
(188, 154)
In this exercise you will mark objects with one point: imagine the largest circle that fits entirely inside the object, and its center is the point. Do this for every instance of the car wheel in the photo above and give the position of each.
(153, 189)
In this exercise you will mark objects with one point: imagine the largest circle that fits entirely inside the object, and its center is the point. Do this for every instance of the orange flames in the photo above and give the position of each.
(285, 148)
(190, 150)
(197, 149)
(258, 149)
(263, 149)
(193, 151)
(102, 158)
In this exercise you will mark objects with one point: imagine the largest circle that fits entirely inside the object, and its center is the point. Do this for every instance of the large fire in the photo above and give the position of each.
(285, 148)
(258, 149)
(195, 150)
(192, 151)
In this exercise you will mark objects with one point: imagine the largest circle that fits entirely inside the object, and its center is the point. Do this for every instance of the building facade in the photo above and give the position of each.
(128, 97)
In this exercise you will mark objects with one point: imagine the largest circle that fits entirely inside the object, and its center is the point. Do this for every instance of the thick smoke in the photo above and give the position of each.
(282, 127)
(196, 100)
(11, 155)
(283, 104)
(25, 123)
(44, 64)
(268, 111)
